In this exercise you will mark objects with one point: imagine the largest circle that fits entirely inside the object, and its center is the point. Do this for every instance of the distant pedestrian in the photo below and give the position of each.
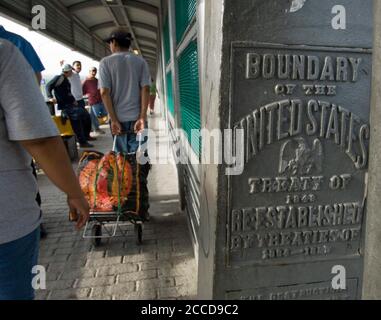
(124, 80)
(26, 130)
(76, 90)
(68, 105)
(152, 97)
(91, 90)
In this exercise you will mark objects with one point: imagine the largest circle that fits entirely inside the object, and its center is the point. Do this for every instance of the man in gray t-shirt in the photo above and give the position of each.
(124, 81)
(26, 130)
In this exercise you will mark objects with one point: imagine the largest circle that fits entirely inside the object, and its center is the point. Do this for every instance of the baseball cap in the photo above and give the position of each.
(67, 68)
(119, 35)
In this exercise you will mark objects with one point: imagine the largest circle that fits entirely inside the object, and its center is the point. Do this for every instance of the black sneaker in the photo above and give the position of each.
(86, 145)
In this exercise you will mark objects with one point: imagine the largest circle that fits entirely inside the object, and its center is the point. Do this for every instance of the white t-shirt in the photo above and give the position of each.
(23, 116)
(76, 86)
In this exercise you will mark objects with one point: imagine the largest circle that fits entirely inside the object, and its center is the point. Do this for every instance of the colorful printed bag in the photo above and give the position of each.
(114, 182)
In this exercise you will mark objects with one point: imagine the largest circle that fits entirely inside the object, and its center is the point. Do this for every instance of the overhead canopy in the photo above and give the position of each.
(84, 24)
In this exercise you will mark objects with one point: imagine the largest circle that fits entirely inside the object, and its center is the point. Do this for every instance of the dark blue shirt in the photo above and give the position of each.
(62, 90)
(25, 47)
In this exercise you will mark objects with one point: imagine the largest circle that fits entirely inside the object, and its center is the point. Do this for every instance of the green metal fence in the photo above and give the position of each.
(170, 101)
(185, 11)
(190, 95)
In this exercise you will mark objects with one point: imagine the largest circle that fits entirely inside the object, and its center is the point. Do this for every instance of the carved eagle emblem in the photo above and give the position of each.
(296, 5)
(298, 158)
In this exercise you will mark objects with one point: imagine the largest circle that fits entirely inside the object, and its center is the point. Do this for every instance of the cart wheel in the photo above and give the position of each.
(97, 232)
(139, 234)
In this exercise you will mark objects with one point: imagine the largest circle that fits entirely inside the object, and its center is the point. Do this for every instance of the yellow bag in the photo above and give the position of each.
(64, 127)
(102, 120)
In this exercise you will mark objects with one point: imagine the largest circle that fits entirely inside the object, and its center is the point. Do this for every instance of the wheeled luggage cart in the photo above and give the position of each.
(100, 221)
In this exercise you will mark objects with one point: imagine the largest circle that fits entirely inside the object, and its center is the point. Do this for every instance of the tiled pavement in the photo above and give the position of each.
(163, 267)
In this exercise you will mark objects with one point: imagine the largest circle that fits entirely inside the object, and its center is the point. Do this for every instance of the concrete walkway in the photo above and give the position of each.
(162, 268)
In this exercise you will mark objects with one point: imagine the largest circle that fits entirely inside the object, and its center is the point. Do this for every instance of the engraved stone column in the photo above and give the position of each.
(294, 86)
(372, 274)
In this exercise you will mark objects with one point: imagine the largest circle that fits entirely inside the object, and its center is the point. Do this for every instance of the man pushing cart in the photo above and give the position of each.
(124, 82)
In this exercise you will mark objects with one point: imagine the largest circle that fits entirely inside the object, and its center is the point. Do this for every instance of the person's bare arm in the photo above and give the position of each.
(116, 127)
(145, 94)
(51, 155)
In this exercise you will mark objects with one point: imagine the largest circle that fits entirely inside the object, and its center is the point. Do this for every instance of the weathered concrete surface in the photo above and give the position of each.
(372, 274)
(269, 22)
(210, 50)
(162, 268)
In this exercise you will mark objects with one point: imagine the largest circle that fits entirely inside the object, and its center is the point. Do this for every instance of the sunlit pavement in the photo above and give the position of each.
(163, 267)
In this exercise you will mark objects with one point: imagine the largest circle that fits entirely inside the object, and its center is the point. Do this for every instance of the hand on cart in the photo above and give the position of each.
(116, 128)
(79, 211)
(139, 126)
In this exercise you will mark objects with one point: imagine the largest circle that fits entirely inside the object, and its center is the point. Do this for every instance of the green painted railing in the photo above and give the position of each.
(170, 101)
(190, 95)
(185, 11)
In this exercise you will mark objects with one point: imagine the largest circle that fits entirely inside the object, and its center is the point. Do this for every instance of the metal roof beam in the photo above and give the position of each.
(141, 5)
(104, 2)
(149, 52)
(149, 48)
(101, 26)
(148, 39)
(128, 23)
(89, 4)
(112, 24)
(148, 55)
(74, 20)
(145, 26)
(115, 22)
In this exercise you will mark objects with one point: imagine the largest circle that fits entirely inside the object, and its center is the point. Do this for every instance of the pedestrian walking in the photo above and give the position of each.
(152, 97)
(26, 131)
(68, 105)
(91, 90)
(124, 80)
